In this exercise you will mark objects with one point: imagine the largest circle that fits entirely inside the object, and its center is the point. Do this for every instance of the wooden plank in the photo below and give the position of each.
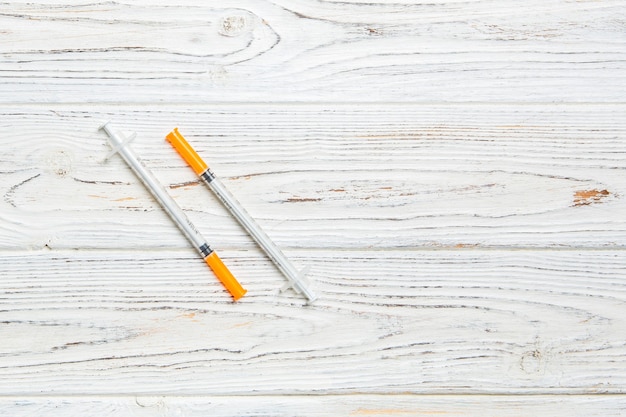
(428, 322)
(331, 405)
(471, 249)
(322, 176)
(152, 51)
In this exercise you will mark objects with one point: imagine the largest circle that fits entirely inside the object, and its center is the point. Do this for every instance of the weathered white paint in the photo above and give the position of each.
(453, 171)
(156, 51)
(423, 322)
(321, 176)
(328, 405)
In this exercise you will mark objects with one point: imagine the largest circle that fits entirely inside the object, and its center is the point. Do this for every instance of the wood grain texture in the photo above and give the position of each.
(329, 405)
(323, 176)
(463, 321)
(155, 51)
(453, 172)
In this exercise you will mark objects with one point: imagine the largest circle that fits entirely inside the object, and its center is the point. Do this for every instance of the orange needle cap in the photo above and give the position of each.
(186, 151)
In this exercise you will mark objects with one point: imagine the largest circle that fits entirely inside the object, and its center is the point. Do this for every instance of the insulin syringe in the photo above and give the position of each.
(296, 279)
(120, 144)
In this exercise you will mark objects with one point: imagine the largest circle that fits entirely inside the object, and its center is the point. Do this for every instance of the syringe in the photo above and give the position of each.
(296, 279)
(120, 144)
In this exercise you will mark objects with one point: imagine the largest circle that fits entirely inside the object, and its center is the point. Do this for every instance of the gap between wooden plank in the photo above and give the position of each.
(308, 103)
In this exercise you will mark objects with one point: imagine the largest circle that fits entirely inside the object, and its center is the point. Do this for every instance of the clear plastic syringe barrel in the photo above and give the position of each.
(297, 280)
(117, 142)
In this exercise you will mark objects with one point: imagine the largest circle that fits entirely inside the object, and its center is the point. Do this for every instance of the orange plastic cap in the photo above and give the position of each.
(225, 276)
(186, 151)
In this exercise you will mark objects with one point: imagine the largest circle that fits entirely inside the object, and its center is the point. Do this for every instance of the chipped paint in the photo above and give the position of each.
(465, 245)
(184, 184)
(587, 197)
(301, 199)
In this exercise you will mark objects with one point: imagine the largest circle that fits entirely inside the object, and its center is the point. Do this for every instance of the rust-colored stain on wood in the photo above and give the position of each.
(587, 197)
(465, 245)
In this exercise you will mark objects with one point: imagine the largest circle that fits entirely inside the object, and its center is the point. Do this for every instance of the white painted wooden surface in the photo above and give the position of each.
(452, 171)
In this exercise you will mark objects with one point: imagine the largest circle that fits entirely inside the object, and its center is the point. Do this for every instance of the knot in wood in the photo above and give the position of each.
(235, 24)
